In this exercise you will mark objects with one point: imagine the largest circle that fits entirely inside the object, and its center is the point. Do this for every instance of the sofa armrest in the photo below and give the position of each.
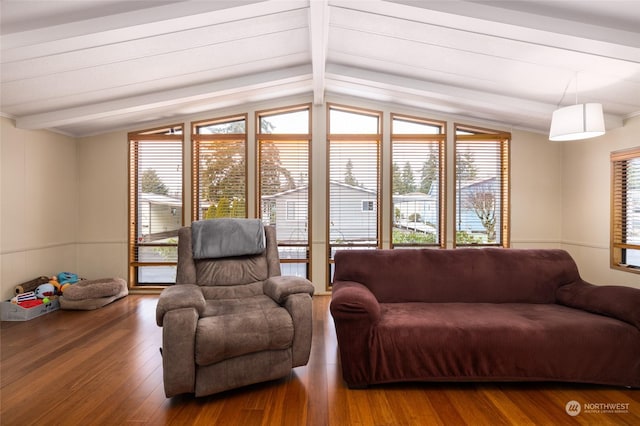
(179, 297)
(281, 287)
(353, 300)
(619, 302)
(355, 312)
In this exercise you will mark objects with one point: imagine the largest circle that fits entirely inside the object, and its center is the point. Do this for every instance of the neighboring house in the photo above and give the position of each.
(288, 211)
(470, 222)
(352, 213)
(419, 211)
(416, 211)
(160, 217)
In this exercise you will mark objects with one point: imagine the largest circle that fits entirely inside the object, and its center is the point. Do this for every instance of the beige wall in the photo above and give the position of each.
(560, 197)
(39, 203)
(103, 210)
(586, 202)
(536, 195)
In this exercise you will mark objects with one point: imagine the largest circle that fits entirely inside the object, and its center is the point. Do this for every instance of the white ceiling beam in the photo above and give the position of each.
(442, 92)
(529, 28)
(319, 39)
(197, 93)
(440, 97)
(134, 25)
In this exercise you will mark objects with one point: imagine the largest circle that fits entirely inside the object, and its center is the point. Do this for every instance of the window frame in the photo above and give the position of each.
(619, 213)
(480, 135)
(352, 138)
(159, 134)
(285, 138)
(441, 140)
(198, 139)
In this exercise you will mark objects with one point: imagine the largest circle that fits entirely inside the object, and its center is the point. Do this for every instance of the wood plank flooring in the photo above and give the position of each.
(103, 367)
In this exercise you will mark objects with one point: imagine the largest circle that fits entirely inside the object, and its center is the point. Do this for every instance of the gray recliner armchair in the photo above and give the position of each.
(231, 321)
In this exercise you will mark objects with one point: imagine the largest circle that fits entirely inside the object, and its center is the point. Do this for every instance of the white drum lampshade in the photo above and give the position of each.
(581, 121)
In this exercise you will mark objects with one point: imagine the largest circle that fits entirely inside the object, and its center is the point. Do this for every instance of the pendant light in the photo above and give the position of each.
(579, 121)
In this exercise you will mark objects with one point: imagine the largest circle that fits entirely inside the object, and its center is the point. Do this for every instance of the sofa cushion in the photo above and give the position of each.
(489, 275)
(445, 341)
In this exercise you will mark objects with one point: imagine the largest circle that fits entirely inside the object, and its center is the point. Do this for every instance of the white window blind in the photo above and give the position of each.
(284, 187)
(284, 138)
(354, 178)
(220, 168)
(481, 188)
(418, 208)
(156, 204)
(625, 209)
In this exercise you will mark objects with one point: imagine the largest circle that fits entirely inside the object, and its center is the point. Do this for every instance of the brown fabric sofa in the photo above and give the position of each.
(479, 315)
(233, 321)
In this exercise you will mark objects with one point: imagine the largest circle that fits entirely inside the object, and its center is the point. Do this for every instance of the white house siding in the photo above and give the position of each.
(291, 215)
(347, 219)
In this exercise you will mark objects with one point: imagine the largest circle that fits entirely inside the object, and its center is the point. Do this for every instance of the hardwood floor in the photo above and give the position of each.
(103, 367)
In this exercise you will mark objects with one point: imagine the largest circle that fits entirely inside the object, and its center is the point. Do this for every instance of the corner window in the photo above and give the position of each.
(625, 209)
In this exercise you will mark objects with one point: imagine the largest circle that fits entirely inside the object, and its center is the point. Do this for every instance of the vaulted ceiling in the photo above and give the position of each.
(84, 67)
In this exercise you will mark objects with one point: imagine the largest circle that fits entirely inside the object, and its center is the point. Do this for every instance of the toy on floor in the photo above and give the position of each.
(31, 285)
(63, 280)
(29, 299)
(23, 297)
(45, 290)
(67, 278)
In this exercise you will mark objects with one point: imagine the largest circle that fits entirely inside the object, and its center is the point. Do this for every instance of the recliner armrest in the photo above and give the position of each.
(178, 297)
(618, 302)
(281, 287)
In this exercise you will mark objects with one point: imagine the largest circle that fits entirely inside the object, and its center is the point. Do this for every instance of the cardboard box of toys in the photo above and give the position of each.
(33, 299)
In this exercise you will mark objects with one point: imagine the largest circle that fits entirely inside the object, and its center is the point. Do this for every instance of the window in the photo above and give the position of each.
(283, 145)
(155, 204)
(368, 206)
(219, 168)
(625, 208)
(354, 139)
(417, 181)
(481, 187)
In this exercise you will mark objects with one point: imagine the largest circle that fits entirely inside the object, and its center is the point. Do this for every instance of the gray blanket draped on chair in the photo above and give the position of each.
(227, 237)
